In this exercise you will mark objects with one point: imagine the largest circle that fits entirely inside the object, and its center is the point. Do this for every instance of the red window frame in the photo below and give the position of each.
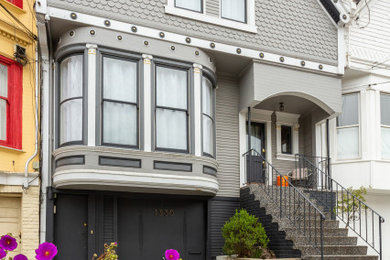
(14, 104)
(18, 3)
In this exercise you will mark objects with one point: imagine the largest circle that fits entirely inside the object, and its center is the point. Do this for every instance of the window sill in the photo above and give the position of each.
(286, 157)
(12, 7)
(210, 19)
(10, 148)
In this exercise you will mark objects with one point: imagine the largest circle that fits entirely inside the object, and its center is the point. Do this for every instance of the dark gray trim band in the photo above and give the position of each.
(209, 170)
(120, 162)
(172, 166)
(70, 160)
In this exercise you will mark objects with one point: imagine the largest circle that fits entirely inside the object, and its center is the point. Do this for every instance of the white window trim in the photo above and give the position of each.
(249, 26)
(288, 119)
(359, 157)
(382, 125)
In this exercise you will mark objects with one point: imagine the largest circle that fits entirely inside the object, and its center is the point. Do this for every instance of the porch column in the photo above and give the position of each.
(91, 94)
(147, 107)
(198, 109)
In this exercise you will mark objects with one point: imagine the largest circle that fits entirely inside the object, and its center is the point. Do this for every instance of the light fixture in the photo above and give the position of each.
(281, 106)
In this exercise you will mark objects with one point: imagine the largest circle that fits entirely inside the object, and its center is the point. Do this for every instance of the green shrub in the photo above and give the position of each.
(244, 236)
(349, 206)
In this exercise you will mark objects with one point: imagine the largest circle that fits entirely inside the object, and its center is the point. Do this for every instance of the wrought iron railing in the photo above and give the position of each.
(341, 202)
(292, 203)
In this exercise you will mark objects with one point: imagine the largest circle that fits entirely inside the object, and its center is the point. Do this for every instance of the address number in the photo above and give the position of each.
(164, 212)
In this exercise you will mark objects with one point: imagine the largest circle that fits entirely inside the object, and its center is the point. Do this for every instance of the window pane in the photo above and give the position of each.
(257, 135)
(71, 77)
(120, 123)
(120, 80)
(208, 135)
(171, 129)
(234, 9)
(195, 5)
(350, 114)
(385, 142)
(71, 123)
(207, 97)
(171, 87)
(348, 143)
(3, 119)
(3, 80)
(286, 141)
(385, 109)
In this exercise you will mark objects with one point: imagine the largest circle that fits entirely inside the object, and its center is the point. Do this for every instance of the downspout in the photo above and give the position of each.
(26, 181)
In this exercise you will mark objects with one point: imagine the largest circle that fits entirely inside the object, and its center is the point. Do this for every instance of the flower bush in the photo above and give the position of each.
(109, 252)
(45, 251)
(244, 236)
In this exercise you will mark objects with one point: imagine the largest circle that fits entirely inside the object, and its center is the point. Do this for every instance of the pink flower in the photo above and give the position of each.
(20, 257)
(2, 253)
(172, 254)
(46, 251)
(8, 243)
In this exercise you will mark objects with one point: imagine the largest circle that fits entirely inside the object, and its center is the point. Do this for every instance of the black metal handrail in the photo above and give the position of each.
(293, 204)
(341, 202)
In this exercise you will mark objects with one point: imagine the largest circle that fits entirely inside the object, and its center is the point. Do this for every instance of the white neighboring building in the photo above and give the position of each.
(361, 135)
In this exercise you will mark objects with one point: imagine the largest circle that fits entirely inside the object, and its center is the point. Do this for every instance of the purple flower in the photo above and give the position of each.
(8, 243)
(172, 254)
(46, 251)
(20, 257)
(2, 253)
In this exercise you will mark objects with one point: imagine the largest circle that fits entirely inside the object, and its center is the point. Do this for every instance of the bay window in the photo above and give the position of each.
(171, 109)
(385, 125)
(208, 117)
(234, 10)
(120, 102)
(348, 128)
(71, 100)
(193, 5)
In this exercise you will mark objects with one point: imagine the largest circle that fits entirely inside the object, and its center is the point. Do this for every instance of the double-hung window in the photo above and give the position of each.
(120, 102)
(171, 109)
(234, 10)
(286, 139)
(10, 103)
(71, 100)
(385, 125)
(208, 115)
(192, 5)
(348, 128)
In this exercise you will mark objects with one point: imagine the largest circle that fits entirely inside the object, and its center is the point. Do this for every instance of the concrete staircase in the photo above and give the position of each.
(286, 240)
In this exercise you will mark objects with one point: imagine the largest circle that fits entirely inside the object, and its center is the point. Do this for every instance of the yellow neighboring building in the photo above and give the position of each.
(19, 162)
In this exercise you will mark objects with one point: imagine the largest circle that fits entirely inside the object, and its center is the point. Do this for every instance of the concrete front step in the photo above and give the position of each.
(328, 240)
(334, 250)
(339, 232)
(341, 257)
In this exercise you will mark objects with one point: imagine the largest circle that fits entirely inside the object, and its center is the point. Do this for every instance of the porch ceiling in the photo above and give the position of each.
(292, 104)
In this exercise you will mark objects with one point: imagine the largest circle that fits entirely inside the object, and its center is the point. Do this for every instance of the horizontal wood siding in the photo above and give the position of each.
(212, 7)
(227, 137)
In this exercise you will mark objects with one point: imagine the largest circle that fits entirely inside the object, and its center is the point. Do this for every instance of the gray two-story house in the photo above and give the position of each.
(145, 109)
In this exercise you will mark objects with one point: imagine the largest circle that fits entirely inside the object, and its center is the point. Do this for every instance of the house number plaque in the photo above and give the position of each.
(164, 212)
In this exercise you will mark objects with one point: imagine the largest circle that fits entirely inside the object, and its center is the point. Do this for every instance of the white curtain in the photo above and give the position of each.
(171, 129)
(234, 10)
(208, 135)
(72, 77)
(3, 80)
(119, 80)
(171, 87)
(350, 114)
(120, 123)
(385, 109)
(3, 119)
(207, 97)
(195, 5)
(71, 124)
(348, 143)
(385, 142)
(256, 135)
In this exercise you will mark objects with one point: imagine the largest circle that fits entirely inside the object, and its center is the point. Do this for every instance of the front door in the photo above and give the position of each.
(255, 163)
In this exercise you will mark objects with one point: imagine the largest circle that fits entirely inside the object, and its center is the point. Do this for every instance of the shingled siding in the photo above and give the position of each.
(227, 136)
(295, 28)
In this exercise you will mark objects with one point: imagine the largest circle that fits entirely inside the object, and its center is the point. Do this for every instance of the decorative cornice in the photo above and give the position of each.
(13, 33)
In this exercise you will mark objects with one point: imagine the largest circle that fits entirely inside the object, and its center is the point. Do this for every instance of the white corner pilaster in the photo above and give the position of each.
(278, 138)
(295, 138)
(91, 94)
(198, 108)
(147, 63)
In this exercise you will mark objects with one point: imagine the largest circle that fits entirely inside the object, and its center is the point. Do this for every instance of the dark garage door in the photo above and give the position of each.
(143, 226)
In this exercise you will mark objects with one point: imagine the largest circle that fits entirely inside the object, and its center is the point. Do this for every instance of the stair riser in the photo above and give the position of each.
(326, 231)
(351, 241)
(339, 250)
